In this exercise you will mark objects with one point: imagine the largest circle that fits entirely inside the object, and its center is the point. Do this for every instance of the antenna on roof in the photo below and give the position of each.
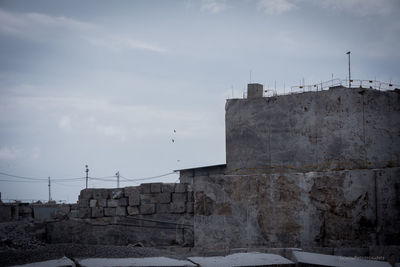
(284, 87)
(348, 53)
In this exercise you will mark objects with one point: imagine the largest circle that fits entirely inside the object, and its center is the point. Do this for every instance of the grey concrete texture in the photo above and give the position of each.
(244, 259)
(131, 262)
(335, 129)
(5, 213)
(314, 259)
(149, 230)
(350, 208)
(44, 213)
(33, 211)
(62, 262)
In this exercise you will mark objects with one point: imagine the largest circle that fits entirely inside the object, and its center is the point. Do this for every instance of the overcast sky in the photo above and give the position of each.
(106, 83)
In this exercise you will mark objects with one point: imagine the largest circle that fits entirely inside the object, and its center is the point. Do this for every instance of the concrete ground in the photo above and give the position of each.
(236, 259)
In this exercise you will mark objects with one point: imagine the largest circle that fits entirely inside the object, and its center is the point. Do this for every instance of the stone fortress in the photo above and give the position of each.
(314, 170)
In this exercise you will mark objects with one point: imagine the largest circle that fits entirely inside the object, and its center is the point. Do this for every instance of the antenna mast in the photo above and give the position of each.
(49, 190)
(348, 53)
(87, 175)
(117, 174)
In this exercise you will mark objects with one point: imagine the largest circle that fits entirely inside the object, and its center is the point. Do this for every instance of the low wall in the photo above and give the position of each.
(152, 214)
(146, 199)
(35, 211)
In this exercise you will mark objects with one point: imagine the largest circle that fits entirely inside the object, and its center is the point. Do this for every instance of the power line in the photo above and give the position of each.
(22, 177)
(17, 181)
(40, 179)
(70, 179)
(68, 185)
(76, 179)
(103, 179)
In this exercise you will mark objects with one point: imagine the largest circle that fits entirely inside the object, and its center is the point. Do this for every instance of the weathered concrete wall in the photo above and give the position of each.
(150, 214)
(336, 129)
(316, 169)
(37, 212)
(351, 208)
(187, 175)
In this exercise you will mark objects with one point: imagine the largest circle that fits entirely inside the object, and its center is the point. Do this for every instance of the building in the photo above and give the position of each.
(309, 169)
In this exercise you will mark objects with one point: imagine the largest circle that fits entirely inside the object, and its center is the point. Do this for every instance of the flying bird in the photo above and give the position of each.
(173, 140)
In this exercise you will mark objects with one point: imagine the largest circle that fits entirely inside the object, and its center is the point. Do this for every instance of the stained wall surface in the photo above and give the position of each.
(339, 128)
(349, 208)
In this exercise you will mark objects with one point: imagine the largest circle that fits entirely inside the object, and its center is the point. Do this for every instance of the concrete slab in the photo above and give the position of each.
(63, 262)
(329, 260)
(130, 262)
(243, 259)
(44, 213)
(5, 213)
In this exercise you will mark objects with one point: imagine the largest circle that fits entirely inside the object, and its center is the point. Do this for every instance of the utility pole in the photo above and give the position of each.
(87, 175)
(348, 53)
(117, 174)
(49, 190)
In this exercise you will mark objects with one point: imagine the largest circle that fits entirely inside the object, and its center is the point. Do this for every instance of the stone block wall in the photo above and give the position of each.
(146, 199)
(152, 214)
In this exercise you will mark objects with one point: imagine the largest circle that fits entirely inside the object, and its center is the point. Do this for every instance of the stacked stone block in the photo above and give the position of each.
(146, 199)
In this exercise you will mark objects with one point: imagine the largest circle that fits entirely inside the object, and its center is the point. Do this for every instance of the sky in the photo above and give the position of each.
(140, 87)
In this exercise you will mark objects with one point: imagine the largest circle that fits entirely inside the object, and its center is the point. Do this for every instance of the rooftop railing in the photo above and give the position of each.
(369, 84)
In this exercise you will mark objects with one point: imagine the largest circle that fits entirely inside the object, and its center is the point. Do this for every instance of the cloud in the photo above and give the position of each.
(112, 131)
(36, 153)
(360, 7)
(13, 153)
(275, 7)
(100, 117)
(118, 43)
(10, 153)
(39, 26)
(213, 6)
(44, 28)
(65, 123)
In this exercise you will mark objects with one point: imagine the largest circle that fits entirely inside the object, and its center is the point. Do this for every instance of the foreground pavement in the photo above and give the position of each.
(299, 258)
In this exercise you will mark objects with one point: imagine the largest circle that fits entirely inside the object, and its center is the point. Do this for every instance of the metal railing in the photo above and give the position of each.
(370, 84)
